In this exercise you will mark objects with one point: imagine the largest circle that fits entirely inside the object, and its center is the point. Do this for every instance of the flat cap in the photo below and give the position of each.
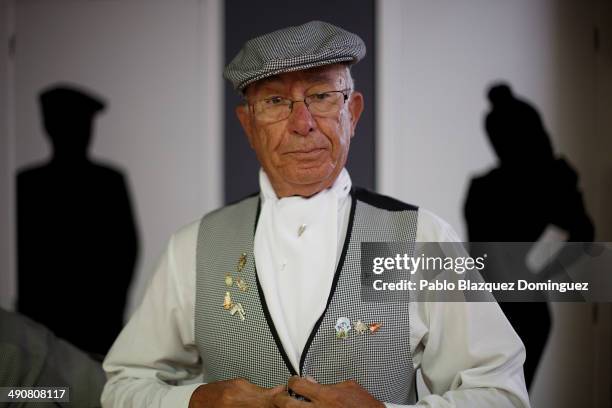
(309, 45)
(69, 100)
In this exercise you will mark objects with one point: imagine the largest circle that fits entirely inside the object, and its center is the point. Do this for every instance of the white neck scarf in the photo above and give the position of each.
(296, 249)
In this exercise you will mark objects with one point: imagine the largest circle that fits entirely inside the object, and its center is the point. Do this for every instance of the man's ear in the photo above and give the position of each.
(355, 108)
(242, 111)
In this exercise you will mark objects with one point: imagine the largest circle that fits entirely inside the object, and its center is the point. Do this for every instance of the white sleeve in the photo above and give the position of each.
(468, 353)
(156, 350)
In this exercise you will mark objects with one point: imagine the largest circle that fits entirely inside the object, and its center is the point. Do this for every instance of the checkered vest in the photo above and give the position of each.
(233, 348)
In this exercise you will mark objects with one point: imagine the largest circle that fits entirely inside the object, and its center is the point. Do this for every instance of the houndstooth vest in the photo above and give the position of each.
(233, 348)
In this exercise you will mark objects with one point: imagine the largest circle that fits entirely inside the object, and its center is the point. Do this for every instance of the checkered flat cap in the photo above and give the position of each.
(309, 45)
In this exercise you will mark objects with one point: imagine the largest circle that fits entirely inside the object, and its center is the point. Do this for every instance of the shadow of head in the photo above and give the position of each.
(68, 113)
(515, 129)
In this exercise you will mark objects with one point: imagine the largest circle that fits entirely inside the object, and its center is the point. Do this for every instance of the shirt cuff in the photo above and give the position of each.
(179, 396)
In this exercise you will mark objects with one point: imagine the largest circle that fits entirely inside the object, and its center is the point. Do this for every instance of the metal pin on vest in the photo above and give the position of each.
(361, 327)
(236, 309)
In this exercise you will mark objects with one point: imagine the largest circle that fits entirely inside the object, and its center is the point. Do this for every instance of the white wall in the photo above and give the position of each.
(158, 64)
(436, 60)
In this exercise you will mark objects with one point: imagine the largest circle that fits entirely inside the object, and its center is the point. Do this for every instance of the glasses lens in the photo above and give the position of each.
(325, 103)
(272, 109)
(276, 108)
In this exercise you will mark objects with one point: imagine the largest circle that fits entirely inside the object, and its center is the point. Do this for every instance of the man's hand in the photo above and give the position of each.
(237, 393)
(347, 394)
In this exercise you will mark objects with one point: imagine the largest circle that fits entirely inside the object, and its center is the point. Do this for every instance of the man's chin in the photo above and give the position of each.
(312, 178)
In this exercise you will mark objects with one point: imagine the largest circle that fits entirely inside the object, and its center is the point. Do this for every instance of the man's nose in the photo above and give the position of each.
(300, 119)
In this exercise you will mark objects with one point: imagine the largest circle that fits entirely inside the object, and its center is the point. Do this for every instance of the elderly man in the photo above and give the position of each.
(259, 301)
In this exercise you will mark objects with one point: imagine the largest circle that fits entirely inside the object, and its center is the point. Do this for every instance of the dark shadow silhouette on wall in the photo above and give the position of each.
(77, 240)
(530, 190)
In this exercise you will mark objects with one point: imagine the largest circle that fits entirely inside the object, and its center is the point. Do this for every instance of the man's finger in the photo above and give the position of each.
(276, 390)
(283, 400)
(304, 387)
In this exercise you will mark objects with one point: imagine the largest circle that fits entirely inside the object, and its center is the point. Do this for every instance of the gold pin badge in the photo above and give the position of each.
(237, 309)
(242, 262)
(229, 281)
(241, 284)
(227, 301)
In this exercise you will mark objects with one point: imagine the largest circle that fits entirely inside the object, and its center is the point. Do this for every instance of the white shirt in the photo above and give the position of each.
(290, 230)
(468, 353)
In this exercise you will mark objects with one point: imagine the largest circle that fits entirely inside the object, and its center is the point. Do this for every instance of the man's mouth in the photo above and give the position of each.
(310, 151)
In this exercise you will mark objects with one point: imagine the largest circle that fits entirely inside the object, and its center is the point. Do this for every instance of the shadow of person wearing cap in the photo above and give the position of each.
(77, 240)
(529, 192)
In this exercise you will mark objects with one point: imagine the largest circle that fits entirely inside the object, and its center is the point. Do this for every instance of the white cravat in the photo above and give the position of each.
(296, 249)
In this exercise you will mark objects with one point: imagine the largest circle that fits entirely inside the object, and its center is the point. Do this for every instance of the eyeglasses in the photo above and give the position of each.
(276, 108)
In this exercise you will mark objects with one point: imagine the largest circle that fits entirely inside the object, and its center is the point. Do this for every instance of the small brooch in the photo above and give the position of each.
(242, 285)
(242, 262)
(374, 327)
(227, 301)
(361, 327)
(343, 326)
(237, 310)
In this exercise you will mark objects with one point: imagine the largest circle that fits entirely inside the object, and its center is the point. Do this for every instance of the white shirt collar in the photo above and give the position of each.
(341, 187)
